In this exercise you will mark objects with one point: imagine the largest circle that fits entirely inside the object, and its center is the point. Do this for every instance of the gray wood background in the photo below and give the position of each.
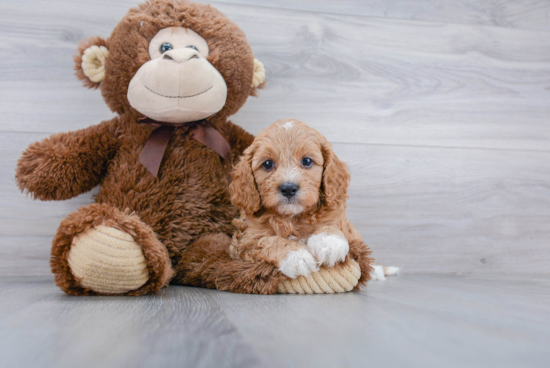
(440, 107)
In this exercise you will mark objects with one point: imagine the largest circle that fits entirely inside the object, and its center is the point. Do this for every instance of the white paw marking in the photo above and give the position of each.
(329, 249)
(298, 262)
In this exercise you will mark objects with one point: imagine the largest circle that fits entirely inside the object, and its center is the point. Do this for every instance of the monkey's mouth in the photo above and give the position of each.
(196, 94)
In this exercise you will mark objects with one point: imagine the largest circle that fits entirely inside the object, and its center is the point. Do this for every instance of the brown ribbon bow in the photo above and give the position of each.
(153, 151)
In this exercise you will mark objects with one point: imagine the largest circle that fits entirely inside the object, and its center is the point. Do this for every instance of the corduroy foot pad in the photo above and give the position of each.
(108, 261)
(329, 280)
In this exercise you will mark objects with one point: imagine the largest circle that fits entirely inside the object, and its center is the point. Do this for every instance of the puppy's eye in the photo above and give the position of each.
(307, 162)
(165, 47)
(192, 47)
(268, 165)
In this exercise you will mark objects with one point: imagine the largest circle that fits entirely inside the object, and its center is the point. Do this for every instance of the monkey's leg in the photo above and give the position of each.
(100, 250)
(206, 263)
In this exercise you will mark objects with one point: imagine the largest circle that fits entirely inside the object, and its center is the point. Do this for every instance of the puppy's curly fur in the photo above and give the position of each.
(301, 230)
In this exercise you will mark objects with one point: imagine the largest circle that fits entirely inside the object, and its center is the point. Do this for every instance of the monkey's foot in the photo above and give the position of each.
(340, 278)
(108, 261)
(100, 250)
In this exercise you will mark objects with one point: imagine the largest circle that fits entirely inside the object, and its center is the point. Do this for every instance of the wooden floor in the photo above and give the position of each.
(411, 321)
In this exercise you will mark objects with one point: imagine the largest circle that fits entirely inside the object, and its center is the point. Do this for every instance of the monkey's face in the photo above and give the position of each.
(178, 84)
(172, 61)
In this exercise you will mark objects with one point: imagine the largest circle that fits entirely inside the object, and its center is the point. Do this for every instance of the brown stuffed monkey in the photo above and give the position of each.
(173, 71)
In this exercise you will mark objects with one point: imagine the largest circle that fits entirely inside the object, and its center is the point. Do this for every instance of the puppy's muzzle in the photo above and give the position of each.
(289, 189)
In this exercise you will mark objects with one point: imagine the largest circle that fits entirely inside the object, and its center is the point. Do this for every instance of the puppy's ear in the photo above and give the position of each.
(90, 61)
(244, 193)
(334, 188)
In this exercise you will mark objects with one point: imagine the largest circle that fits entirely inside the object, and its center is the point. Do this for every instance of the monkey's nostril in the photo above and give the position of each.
(167, 57)
(289, 189)
(193, 57)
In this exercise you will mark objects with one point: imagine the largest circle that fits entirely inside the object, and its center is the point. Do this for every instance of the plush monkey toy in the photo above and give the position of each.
(173, 71)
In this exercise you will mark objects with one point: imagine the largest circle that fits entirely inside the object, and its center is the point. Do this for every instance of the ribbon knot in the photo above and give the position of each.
(152, 153)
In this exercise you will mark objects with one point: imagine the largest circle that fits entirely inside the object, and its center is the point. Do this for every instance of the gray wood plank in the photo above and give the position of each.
(42, 327)
(413, 320)
(380, 81)
(408, 321)
(452, 210)
(25, 255)
(528, 14)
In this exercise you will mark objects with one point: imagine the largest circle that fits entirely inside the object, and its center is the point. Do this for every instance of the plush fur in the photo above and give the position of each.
(286, 232)
(190, 197)
(206, 263)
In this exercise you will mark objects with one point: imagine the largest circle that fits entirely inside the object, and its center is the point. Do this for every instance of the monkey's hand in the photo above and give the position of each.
(65, 165)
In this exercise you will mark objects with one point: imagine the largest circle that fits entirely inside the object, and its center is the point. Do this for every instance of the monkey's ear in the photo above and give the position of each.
(258, 79)
(243, 190)
(90, 61)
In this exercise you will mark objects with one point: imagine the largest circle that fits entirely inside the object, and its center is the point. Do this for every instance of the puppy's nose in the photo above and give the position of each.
(289, 189)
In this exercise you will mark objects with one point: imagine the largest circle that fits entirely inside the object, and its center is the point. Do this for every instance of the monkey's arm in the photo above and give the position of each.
(272, 249)
(65, 165)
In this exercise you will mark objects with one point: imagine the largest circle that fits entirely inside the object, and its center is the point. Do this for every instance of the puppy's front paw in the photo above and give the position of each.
(298, 262)
(328, 248)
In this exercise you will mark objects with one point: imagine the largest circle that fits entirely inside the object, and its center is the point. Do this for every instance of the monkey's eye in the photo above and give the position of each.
(307, 162)
(165, 47)
(268, 165)
(192, 47)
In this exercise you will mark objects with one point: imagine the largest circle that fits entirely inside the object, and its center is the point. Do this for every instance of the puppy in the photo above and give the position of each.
(292, 190)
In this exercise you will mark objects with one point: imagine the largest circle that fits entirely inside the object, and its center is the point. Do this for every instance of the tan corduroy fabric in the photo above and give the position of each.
(326, 280)
(108, 261)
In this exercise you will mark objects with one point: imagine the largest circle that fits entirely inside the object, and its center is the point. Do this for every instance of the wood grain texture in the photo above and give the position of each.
(414, 321)
(379, 81)
(441, 111)
(366, 80)
(44, 328)
(528, 14)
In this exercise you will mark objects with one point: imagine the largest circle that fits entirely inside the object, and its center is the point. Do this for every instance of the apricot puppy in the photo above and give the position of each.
(292, 190)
